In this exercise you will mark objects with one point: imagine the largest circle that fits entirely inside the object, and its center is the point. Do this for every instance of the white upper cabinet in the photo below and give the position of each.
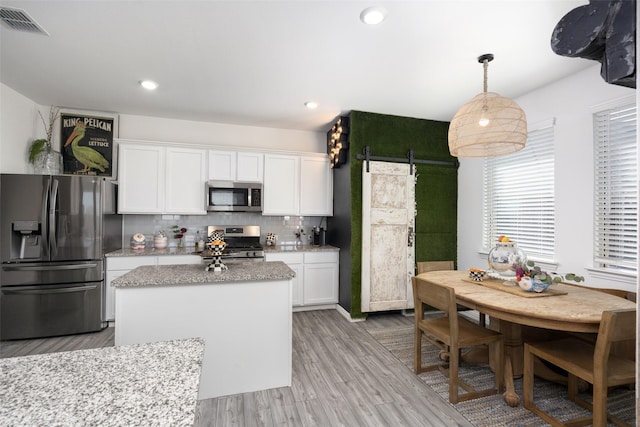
(171, 179)
(281, 189)
(161, 179)
(141, 178)
(185, 181)
(236, 166)
(250, 167)
(316, 186)
(297, 185)
(222, 165)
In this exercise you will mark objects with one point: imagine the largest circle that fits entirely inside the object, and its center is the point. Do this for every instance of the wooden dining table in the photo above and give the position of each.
(563, 307)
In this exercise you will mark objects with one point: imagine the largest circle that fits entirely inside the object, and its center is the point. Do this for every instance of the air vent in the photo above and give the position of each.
(18, 19)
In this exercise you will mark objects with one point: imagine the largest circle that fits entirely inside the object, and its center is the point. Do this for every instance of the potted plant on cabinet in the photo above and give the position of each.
(44, 158)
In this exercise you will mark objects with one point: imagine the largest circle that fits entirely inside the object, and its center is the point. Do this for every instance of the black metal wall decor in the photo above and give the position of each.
(605, 31)
(338, 142)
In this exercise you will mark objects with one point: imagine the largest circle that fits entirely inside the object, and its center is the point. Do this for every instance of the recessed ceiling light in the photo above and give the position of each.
(311, 105)
(373, 15)
(149, 84)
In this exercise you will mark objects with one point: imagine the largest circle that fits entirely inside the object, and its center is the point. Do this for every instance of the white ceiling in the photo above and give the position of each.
(257, 62)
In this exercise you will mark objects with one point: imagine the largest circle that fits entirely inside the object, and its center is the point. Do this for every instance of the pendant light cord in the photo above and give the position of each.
(485, 65)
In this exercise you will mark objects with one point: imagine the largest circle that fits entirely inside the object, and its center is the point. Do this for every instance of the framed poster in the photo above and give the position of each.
(86, 143)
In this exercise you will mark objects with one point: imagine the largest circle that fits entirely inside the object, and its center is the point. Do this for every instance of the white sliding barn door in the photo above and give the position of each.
(388, 252)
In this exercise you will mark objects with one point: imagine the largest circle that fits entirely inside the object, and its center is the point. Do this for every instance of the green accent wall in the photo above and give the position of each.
(436, 189)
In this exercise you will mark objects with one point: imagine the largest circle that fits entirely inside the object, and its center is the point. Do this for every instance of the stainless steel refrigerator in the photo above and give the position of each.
(54, 232)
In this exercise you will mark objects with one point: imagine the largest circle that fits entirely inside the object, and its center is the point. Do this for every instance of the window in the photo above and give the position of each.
(519, 203)
(616, 189)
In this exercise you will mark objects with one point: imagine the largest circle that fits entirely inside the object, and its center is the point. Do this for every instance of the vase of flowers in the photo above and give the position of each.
(178, 234)
(46, 160)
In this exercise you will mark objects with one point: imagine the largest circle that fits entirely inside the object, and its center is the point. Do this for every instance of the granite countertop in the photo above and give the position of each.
(189, 274)
(300, 248)
(190, 250)
(145, 384)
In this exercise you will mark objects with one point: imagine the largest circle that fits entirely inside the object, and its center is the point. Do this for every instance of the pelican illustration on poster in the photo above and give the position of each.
(89, 157)
(87, 144)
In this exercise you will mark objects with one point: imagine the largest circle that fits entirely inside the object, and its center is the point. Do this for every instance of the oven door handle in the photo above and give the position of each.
(38, 290)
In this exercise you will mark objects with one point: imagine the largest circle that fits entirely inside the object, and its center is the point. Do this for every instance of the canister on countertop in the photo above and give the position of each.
(160, 240)
(199, 241)
(138, 241)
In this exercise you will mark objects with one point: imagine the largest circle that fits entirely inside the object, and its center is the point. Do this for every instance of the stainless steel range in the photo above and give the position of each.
(243, 243)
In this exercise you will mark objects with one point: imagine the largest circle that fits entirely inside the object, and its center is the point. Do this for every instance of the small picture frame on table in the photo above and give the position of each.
(87, 142)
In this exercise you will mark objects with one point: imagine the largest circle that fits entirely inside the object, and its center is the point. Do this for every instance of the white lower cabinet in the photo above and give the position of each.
(295, 262)
(316, 281)
(117, 266)
(320, 278)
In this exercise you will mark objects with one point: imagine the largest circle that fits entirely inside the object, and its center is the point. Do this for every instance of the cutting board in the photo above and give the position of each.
(515, 290)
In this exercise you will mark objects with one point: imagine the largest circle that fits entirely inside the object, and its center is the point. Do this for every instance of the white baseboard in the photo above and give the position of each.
(347, 315)
(314, 307)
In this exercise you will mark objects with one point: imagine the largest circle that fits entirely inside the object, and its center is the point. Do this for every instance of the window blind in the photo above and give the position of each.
(519, 196)
(616, 189)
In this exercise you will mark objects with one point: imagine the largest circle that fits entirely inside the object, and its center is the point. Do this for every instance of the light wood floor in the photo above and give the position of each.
(104, 338)
(341, 377)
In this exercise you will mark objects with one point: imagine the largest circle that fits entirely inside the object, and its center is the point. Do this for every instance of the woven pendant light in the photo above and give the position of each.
(489, 125)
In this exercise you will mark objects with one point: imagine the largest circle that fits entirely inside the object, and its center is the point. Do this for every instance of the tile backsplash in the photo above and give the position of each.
(284, 227)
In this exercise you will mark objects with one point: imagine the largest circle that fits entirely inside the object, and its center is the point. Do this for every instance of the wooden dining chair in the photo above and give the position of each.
(424, 266)
(592, 363)
(453, 332)
(626, 349)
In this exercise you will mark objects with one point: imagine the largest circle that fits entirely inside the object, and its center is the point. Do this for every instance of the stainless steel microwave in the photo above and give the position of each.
(227, 196)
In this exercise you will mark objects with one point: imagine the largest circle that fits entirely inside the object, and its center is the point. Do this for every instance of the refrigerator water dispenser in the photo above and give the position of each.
(25, 239)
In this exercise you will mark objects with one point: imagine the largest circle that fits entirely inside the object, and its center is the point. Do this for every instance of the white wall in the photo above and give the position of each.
(571, 102)
(219, 134)
(20, 124)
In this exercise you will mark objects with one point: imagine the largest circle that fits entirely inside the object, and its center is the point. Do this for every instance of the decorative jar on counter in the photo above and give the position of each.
(532, 285)
(160, 240)
(137, 242)
(505, 258)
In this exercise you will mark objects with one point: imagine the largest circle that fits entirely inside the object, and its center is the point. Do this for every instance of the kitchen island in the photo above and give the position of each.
(242, 314)
(147, 384)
